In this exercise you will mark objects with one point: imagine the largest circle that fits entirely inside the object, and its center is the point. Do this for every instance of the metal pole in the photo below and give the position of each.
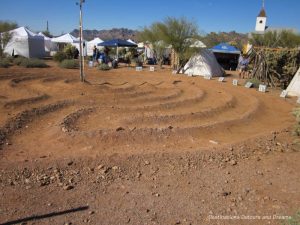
(80, 44)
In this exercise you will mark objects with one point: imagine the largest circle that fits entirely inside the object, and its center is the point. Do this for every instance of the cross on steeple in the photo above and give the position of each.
(263, 4)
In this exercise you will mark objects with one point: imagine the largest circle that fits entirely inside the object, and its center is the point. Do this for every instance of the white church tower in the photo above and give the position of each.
(261, 20)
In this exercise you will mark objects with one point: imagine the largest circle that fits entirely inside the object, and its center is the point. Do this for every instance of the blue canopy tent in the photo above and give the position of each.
(226, 48)
(117, 43)
(227, 55)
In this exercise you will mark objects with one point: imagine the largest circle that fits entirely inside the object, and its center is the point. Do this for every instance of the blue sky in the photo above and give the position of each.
(210, 15)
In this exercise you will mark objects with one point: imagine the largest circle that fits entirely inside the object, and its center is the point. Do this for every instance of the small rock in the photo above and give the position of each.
(70, 163)
(120, 129)
(147, 163)
(213, 142)
(247, 190)
(233, 162)
(91, 212)
(65, 130)
(258, 159)
(156, 194)
(226, 193)
(259, 172)
(68, 187)
(139, 174)
(115, 168)
(100, 167)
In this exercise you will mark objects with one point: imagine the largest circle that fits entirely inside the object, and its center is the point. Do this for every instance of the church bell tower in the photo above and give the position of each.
(261, 19)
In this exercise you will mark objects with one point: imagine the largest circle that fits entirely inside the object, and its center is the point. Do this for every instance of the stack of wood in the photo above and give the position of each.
(274, 67)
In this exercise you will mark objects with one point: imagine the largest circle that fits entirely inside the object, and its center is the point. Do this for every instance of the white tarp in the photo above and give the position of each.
(294, 87)
(204, 64)
(49, 45)
(91, 44)
(25, 43)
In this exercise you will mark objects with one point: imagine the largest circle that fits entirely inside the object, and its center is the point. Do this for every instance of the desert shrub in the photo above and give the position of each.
(4, 63)
(103, 67)
(296, 131)
(255, 82)
(70, 51)
(69, 64)
(60, 56)
(17, 61)
(294, 220)
(296, 113)
(33, 63)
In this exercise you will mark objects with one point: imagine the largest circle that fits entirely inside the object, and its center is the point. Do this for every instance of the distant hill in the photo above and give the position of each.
(233, 38)
(210, 39)
(121, 33)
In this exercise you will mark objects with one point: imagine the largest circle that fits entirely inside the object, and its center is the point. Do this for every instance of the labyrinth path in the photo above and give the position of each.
(52, 114)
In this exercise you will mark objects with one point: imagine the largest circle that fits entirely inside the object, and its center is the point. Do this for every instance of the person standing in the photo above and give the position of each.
(95, 53)
(243, 66)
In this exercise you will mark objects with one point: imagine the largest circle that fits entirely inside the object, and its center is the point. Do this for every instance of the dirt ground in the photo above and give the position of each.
(141, 147)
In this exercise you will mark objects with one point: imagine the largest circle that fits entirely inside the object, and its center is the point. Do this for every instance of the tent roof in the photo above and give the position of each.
(203, 64)
(294, 87)
(131, 41)
(226, 48)
(24, 32)
(198, 44)
(46, 37)
(66, 38)
(95, 41)
(117, 43)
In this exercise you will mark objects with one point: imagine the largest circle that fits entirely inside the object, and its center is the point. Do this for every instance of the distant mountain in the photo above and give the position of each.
(121, 33)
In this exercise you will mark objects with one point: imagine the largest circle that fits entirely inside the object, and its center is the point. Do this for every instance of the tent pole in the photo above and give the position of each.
(80, 43)
(117, 52)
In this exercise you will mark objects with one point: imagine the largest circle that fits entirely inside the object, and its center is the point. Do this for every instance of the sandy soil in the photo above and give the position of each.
(132, 147)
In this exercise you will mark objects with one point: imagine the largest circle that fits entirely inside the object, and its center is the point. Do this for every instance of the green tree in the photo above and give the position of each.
(232, 38)
(5, 36)
(174, 32)
(47, 33)
(274, 39)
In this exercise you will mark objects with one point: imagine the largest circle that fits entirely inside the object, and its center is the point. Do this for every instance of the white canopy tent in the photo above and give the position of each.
(70, 39)
(49, 45)
(198, 44)
(25, 43)
(66, 38)
(91, 44)
(203, 64)
(294, 87)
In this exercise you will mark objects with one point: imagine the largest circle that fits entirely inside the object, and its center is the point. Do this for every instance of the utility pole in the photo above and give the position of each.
(81, 57)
